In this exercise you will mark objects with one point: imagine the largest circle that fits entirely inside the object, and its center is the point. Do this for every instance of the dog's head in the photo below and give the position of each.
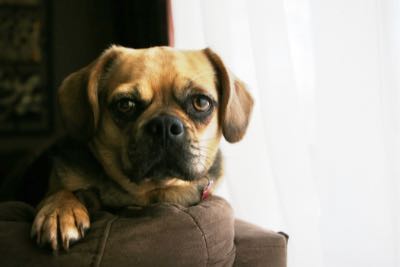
(155, 113)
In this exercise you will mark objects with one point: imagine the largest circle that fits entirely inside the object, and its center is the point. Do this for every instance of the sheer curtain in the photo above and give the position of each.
(321, 160)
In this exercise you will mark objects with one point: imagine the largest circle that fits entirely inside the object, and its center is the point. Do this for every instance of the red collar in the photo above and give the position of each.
(207, 190)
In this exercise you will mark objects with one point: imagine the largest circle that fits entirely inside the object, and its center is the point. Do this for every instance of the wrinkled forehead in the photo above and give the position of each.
(155, 70)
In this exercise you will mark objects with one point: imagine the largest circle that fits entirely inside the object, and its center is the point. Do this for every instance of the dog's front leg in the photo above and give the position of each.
(61, 218)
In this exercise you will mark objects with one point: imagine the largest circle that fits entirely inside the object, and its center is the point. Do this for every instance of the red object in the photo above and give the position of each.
(207, 190)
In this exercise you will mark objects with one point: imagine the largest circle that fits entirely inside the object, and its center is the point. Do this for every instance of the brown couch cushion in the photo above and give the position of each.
(258, 247)
(161, 235)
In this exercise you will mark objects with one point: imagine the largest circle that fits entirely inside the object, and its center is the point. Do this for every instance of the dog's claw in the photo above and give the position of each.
(54, 245)
(66, 244)
(82, 230)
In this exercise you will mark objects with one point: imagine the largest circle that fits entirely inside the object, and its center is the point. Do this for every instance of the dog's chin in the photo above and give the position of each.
(163, 170)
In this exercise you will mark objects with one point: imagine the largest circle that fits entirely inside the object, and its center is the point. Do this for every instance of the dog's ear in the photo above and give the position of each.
(236, 103)
(78, 96)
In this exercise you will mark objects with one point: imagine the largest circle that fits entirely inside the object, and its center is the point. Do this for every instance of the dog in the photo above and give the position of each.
(144, 127)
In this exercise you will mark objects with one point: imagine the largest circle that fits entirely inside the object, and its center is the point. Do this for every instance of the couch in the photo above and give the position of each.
(160, 235)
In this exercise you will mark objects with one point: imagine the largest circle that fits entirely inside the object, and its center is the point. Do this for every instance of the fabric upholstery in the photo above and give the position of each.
(267, 249)
(160, 235)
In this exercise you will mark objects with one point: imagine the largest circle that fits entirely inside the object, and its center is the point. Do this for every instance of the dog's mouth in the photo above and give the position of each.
(164, 164)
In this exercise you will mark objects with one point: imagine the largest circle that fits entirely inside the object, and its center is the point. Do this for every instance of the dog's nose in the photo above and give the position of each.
(165, 126)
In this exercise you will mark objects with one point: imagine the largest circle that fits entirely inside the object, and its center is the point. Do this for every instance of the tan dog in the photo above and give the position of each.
(145, 127)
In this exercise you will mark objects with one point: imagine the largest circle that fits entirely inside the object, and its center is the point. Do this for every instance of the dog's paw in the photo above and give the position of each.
(61, 220)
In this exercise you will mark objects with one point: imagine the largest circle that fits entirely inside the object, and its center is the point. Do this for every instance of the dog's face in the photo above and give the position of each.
(155, 113)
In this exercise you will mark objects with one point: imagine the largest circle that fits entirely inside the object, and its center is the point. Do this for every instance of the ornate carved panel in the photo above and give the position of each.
(25, 93)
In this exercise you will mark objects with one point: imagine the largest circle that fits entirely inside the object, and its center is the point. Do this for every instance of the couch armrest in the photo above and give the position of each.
(162, 235)
(258, 247)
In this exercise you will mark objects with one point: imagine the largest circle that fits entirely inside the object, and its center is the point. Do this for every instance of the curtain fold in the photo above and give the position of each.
(321, 158)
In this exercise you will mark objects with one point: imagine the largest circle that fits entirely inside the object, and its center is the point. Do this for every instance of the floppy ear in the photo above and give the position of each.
(78, 97)
(236, 103)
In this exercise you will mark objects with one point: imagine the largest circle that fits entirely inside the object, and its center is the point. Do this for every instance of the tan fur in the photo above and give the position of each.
(159, 75)
(156, 73)
(237, 103)
(61, 212)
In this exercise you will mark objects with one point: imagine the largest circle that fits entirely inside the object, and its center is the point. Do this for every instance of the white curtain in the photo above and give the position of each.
(321, 160)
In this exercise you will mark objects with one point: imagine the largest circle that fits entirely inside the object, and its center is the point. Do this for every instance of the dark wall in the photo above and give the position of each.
(79, 32)
(82, 29)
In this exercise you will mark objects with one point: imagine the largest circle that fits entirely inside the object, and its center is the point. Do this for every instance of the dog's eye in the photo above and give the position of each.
(201, 103)
(125, 105)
